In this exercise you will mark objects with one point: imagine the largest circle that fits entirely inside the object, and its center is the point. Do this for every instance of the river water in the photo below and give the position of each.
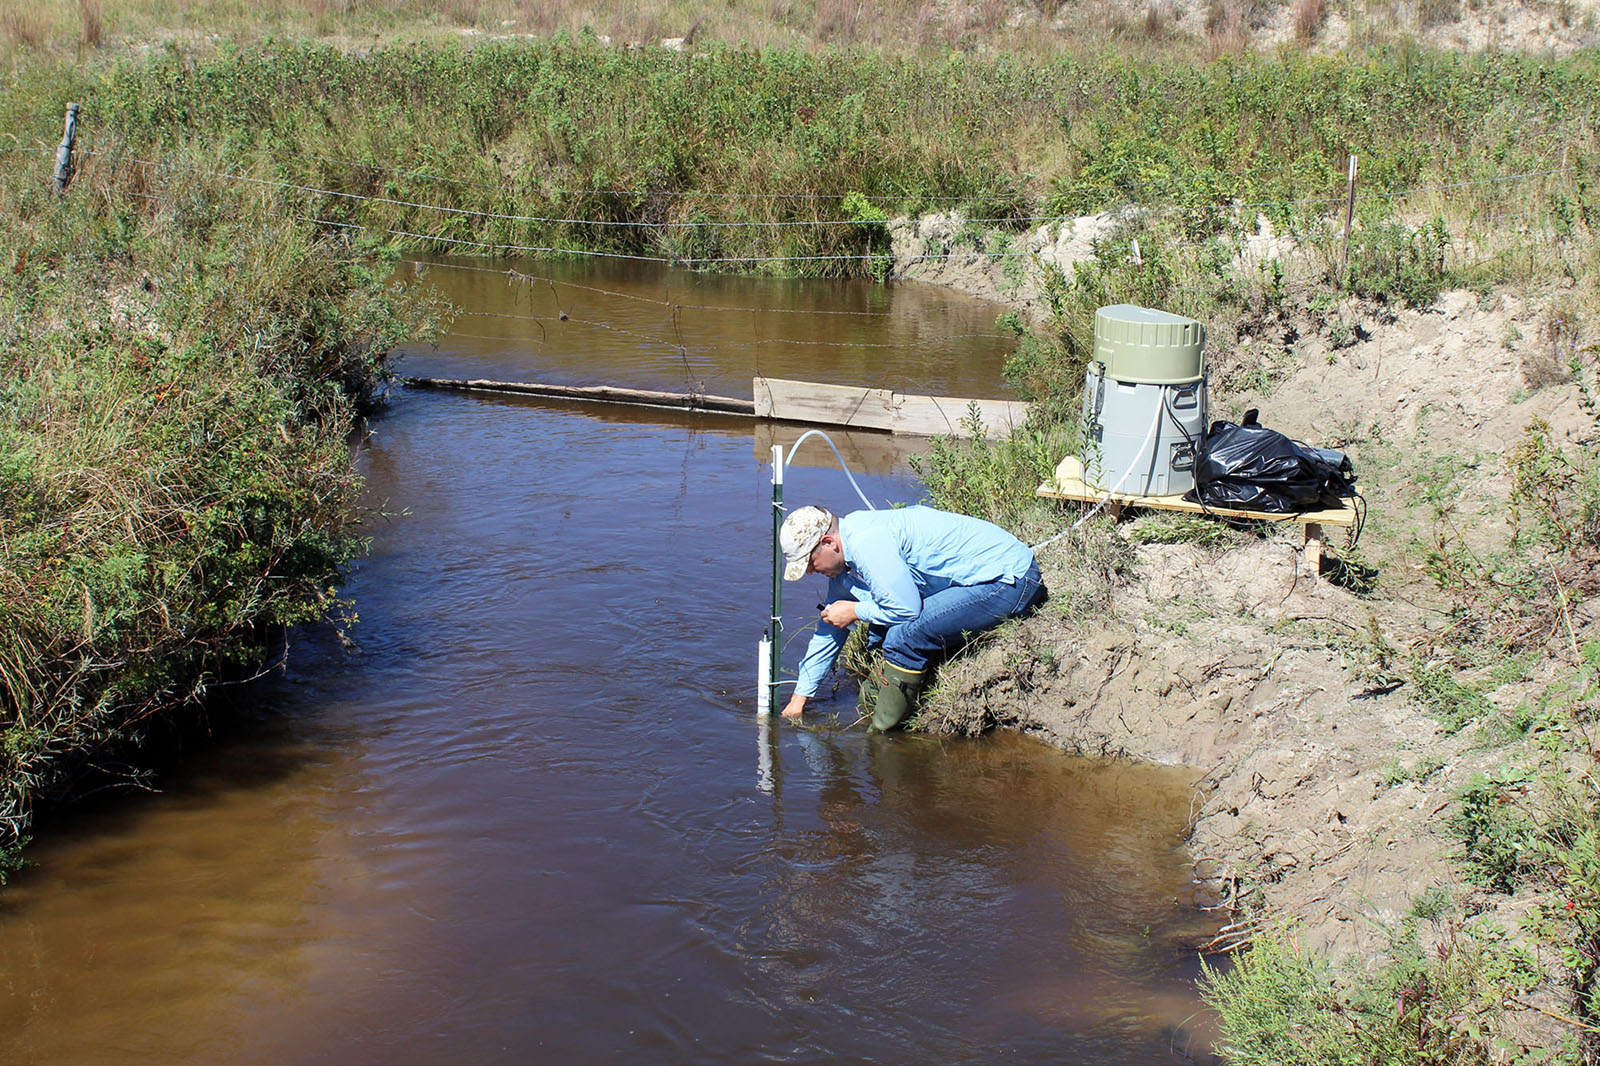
(532, 817)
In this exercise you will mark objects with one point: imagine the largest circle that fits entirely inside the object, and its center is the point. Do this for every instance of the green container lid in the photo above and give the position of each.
(1143, 346)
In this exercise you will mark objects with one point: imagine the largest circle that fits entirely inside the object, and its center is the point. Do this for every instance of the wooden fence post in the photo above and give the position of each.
(69, 138)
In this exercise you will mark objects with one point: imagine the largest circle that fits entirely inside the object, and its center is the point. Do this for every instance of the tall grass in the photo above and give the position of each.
(178, 373)
(631, 142)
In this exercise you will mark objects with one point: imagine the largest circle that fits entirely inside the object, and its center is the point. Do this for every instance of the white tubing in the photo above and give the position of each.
(795, 447)
(1148, 437)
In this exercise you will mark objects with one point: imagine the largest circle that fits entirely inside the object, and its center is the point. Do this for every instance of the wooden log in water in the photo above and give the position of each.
(600, 393)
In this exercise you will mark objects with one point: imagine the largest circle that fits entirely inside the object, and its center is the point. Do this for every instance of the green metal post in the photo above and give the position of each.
(776, 630)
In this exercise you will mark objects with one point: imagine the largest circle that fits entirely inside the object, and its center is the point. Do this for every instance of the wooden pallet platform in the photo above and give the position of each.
(1068, 484)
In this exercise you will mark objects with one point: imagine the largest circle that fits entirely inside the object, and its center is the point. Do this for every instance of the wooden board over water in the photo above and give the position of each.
(883, 409)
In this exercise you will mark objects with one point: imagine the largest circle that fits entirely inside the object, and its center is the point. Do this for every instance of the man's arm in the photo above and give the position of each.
(821, 652)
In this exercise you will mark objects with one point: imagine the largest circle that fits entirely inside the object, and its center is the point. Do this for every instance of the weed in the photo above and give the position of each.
(1555, 500)
(1397, 773)
(995, 479)
(1449, 699)
(1431, 1001)
(1178, 528)
(1390, 261)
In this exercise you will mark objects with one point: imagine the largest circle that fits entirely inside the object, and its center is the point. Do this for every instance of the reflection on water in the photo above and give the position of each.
(645, 326)
(524, 819)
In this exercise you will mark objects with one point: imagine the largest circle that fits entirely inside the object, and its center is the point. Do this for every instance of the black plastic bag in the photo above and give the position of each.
(1253, 468)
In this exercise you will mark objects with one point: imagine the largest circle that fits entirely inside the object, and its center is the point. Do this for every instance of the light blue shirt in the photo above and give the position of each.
(894, 559)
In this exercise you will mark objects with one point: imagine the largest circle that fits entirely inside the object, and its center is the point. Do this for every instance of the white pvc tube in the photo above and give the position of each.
(764, 778)
(795, 447)
(764, 676)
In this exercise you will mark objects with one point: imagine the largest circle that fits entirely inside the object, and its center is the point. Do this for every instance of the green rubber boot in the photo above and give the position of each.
(895, 695)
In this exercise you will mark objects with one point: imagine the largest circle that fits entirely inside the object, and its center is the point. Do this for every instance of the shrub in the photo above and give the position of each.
(179, 367)
(1390, 261)
(995, 480)
(1432, 1001)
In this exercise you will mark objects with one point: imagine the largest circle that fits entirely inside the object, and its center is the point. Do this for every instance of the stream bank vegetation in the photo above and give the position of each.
(178, 378)
(189, 331)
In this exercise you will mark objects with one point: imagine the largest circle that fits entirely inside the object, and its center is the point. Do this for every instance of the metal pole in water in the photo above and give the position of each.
(775, 630)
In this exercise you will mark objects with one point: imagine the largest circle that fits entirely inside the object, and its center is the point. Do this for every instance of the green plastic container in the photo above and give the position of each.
(1143, 346)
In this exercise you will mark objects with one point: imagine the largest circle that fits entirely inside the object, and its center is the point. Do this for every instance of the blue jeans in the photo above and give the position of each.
(949, 617)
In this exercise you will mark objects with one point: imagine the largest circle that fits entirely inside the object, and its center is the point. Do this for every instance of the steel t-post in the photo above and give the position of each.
(776, 624)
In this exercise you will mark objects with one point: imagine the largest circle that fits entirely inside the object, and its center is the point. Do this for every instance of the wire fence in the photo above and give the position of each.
(1020, 248)
(925, 254)
(735, 223)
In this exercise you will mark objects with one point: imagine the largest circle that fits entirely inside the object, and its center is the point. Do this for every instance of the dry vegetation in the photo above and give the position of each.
(1037, 28)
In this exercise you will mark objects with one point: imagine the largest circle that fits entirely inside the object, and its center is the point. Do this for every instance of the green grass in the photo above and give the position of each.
(1432, 1000)
(177, 381)
(633, 142)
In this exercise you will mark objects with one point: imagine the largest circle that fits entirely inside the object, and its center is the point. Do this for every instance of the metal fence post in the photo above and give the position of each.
(69, 138)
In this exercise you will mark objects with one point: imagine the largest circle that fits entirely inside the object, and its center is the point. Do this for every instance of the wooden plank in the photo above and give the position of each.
(1068, 484)
(930, 416)
(896, 412)
(848, 406)
(833, 405)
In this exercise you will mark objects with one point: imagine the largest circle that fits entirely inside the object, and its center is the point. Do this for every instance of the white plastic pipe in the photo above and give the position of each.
(764, 677)
(764, 777)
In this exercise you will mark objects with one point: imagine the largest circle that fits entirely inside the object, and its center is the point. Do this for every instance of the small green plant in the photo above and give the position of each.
(11, 859)
(1429, 1003)
(1397, 773)
(995, 479)
(1448, 698)
(1390, 261)
(1166, 527)
(1555, 499)
(1496, 829)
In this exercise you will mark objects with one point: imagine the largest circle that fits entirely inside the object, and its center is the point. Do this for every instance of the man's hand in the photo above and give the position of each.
(795, 706)
(840, 613)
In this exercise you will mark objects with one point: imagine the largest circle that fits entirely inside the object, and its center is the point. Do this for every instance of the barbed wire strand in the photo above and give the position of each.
(738, 224)
(692, 260)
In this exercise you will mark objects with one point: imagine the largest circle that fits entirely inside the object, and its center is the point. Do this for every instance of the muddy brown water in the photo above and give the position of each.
(532, 817)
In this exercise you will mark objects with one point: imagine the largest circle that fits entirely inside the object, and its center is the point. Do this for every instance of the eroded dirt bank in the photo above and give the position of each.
(1324, 782)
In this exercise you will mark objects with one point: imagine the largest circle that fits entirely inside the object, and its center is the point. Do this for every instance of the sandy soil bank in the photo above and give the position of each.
(1323, 785)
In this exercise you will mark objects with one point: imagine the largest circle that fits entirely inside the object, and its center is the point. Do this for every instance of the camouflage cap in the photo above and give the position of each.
(799, 536)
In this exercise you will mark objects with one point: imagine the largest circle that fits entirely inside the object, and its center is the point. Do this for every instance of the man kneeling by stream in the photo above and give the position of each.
(923, 580)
